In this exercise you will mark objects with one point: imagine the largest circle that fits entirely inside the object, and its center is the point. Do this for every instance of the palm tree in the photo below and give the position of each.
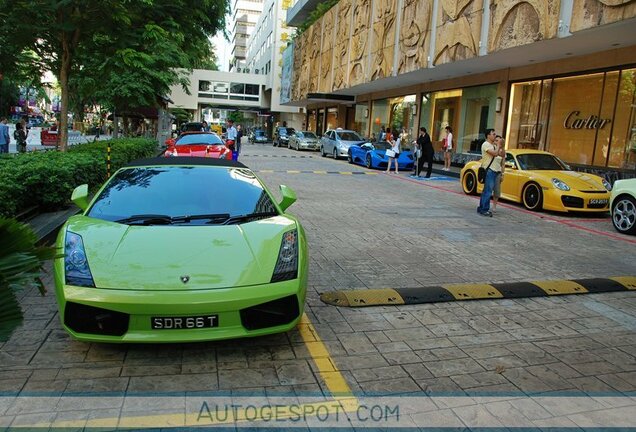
(21, 261)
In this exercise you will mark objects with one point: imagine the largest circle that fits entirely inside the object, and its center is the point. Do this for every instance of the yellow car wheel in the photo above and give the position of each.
(532, 197)
(469, 183)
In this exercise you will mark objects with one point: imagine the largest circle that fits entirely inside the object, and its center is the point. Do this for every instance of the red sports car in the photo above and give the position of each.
(200, 144)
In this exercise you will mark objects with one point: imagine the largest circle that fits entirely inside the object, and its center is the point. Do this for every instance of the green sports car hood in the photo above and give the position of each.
(158, 257)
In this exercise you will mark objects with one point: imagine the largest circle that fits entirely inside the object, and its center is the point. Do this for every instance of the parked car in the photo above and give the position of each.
(281, 136)
(373, 155)
(623, 206)
(165, 252)
(541, 181)
(258, 136)
(336, 142)
(199, 144)
(192, 127)
(304, 140)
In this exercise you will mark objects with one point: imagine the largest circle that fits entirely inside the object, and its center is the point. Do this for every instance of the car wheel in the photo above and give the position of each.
(469, 183)
(322, 151)
(349, 158)
(335, 153)
(367, 161)
(624, 215)
(532, 197)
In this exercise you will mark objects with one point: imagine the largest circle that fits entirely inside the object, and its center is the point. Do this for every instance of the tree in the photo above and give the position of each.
(131, 48)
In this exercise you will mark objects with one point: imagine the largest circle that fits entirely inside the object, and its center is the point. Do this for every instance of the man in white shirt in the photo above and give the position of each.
(489, 151)
(230, 140)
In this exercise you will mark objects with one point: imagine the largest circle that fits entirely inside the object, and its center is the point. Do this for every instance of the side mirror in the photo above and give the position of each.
(80, 196)
(289, 197)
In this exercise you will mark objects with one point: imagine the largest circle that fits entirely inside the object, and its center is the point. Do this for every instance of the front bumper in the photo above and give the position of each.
(575, 201)
(125, 315)
(308, 145)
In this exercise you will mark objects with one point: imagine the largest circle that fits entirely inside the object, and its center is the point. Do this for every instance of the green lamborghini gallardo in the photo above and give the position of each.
(180, 250)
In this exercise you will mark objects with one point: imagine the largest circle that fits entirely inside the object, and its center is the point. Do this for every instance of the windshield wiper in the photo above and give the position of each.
(146, 219)
(248, 217)
(211, 216)
(157, 219)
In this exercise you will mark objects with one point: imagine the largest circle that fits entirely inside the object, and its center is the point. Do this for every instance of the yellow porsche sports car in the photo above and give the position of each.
(541, 181)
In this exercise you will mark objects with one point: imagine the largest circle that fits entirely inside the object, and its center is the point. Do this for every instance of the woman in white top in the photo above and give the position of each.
(448, 148)
(396, 144)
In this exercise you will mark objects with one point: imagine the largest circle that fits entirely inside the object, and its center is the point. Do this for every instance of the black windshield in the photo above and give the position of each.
(187, 195)
(540, 161)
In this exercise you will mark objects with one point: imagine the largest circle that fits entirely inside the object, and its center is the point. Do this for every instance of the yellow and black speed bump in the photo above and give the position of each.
(455, 292)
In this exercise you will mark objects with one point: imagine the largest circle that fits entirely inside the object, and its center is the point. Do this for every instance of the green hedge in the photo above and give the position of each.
(47, 179)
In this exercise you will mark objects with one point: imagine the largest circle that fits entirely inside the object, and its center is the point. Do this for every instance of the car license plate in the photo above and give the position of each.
(190, 322)
(598, 201)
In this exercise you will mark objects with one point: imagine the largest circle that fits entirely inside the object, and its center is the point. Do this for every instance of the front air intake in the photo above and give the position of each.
(271, 314)
(93, 320)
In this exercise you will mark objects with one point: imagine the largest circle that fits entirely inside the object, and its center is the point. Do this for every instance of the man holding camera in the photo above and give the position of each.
(489, 151)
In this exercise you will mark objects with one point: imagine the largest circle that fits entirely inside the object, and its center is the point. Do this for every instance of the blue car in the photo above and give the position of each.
(373, 155)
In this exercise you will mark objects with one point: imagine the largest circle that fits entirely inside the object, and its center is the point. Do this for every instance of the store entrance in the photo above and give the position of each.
(446, 114)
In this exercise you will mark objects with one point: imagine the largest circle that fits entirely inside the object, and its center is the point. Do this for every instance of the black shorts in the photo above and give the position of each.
(397, 155)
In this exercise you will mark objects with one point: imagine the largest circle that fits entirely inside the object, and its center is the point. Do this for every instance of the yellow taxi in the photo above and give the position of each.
(541, 181)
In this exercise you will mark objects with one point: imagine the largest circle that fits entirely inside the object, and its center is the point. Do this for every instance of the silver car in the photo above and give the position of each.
(304, 140)
(336, 142)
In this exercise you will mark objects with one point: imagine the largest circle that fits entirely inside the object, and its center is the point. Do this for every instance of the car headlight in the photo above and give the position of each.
(76, 269)
(560, 184)
(607, 184)
(287, 263)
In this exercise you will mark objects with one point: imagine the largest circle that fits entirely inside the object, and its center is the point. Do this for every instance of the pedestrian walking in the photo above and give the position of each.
(489, 150)
(448, 148)
(230, 138)
(501, 160)
(5, 138)
(395, 151)
(20, 136)
(239, 137)
(426, 150)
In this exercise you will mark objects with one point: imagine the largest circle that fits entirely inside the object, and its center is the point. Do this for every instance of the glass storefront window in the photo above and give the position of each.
(403, 111)
(312, 118)
(332, 118)
(380, 116)
(477, 114)
(622, 151)
(584, 119)
(573, 117)
(425, 112)
(523, 114)
(361, 119)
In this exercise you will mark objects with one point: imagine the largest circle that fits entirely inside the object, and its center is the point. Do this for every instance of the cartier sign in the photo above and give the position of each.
(574, 120)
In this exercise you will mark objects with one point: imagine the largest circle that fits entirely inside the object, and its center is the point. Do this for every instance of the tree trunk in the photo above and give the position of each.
(126, 126)
(64, 71)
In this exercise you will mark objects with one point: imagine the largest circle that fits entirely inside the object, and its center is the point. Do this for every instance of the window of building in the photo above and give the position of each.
(204, 85)
(361, 119)
(380, 115)
(332, 118)
(583, 119)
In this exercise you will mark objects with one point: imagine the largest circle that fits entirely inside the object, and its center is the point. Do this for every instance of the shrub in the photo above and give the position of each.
(47, 179)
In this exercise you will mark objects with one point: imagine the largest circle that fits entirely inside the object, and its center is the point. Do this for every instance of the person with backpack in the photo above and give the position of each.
(20, 136)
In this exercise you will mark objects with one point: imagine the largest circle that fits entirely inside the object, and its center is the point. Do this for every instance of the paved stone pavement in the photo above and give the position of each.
(375, 231)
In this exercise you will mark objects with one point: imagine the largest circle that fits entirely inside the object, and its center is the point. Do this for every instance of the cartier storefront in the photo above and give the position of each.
(587, 120)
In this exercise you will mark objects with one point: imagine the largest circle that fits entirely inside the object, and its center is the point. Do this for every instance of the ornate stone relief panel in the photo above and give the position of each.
(341, 50)
(458, 30)
(592, 13)
(359, 41)
(326, 63)
(414, 35)
(304, 65)
(383, 44)
(315, 50)
(520, 22)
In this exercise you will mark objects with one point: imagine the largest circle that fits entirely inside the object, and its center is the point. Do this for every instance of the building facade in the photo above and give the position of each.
(264, 57)
(546, 74)
(213, 94)
(245, 14)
